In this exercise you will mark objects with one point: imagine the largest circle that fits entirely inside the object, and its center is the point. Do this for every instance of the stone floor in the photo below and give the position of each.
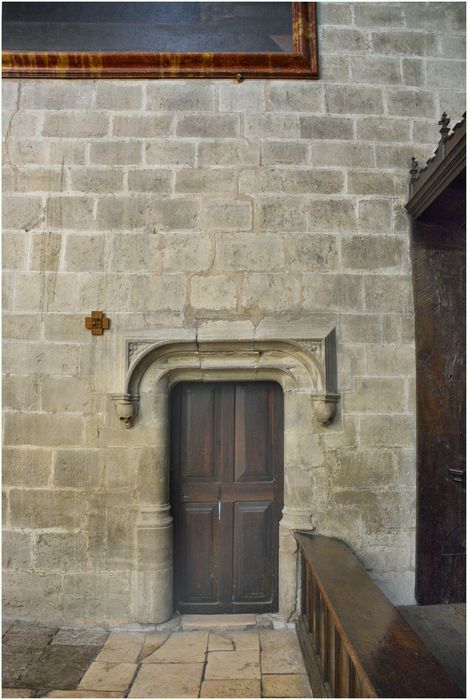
(41, 661)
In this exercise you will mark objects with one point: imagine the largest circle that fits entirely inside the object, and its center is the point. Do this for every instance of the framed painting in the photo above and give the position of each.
(160, 40)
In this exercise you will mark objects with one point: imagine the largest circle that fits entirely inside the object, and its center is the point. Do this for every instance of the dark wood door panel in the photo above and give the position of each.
(254, 558)
(198, 552)
(227, 489)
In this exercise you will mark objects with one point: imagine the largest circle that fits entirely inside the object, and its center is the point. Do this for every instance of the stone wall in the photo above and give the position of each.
(171, 205)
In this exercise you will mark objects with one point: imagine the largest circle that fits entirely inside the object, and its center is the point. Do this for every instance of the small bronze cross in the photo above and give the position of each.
(97, 323)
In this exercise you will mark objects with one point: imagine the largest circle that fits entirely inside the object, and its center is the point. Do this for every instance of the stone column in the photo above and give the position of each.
(152, 583)
(289, 574)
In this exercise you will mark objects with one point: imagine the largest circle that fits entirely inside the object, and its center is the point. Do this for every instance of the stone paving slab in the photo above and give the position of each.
(230, 689)
(286, 686)
(167, 681)
(14, 663)
(233, 641)
(122, 647)
(58, 665)
(82, 694)
(280, 652)
(220, 622)
(24, 636)
(17, 693)
(153, 641)
(233, 665)
(181, 647)
(108, 676)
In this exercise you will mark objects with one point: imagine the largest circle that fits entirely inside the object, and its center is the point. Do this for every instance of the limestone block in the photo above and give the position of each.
(121, 647)
(14, 251)
(20, 393)
(228, 153)
(332, 215)
(152, 595)
(8, 283)
(350, 99)
(404, 42)
(375, 215)
(311, 252)
(141, 125)
(96, 598)
(425, 132)
(391, 360)
(187, 252)
(124, 213)
(42, 358)
(60, 551)
(453, 102)
(453, 45)
(28, 152)
(52, 94)
(446, 74)
(135, 252)
(399, 156)
(115, 153)
(348, 155)
(67, 152)
(271, 126)
(260, 180)
(76, 468)
(339, 292)
(24, 591)
(70, 212)
(378, 15)
(376, 69)
(284, 153)
(280, 652)
(38, 180)
(294, 96)
(312, 181)
(22, 212)
(149, 293)
(413, 72)
(271, 292)
(334, 13)
(383, 129)
(206, 180)
(26, 466)
(169, 152)
(303, 449)
(150, 180)
(235, 664)
(359, 328)
(406, 103)
(436, 14)
(357, 469)
(330, 128)
(337, 39)
(193, 96)
(351, 363)
(75, 124)
(16, 549)
(233, 330)
(21, 326)
(99, 180)
(334, 68)
(84, 253)
(118, 95)
(376, 395)
(208, 126)
(371, 182)
(227, 215)
(227, 689)
(176, 214)
(46, 508)
(45, 251)
(120, 529)
(152, 477)
(43, 429)
(216, 292)
(248, 96)
(387, 431)
(388, 293)
(369, 253)
(280, 213)
(237, 251)
(297, 486)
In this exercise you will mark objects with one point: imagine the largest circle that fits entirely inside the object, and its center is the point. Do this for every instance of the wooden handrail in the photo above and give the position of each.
(355, 643)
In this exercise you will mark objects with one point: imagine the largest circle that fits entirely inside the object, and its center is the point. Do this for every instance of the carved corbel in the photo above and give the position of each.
(126, 408)
(325, 408)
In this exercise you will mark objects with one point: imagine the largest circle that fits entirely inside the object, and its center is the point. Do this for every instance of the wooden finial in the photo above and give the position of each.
(444, 123)
(414, 168)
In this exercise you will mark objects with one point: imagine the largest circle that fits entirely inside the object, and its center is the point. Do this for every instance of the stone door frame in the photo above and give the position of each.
(299, 366)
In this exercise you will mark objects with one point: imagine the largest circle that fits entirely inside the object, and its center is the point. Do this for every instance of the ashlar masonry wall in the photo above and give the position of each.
(182, 206)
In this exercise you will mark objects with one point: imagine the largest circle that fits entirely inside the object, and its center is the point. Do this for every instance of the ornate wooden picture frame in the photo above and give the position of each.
(302, 62)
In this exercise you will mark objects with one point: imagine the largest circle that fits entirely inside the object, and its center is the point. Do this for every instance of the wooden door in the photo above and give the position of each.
(439, 272)
(227, 495)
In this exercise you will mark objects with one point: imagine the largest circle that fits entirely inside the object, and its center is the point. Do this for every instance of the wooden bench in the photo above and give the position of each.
(355, 642)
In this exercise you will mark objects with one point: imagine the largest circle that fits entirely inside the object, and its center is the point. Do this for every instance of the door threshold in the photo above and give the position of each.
(219, 622)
